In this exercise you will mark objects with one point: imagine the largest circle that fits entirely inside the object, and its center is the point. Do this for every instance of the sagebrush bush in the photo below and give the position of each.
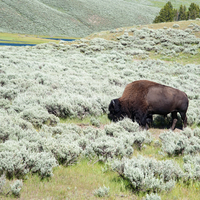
(95, 122)
(64, 95)
(16, 187)
(184, 142)
(17, 159)
(2, 182)
(78, 81)
(145, 174)
(38, 117)
(152, 196)
(192, 167)
(102, 191)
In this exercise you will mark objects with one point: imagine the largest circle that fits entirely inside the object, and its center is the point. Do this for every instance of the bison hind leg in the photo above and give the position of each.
(174, 120)
(184, 118)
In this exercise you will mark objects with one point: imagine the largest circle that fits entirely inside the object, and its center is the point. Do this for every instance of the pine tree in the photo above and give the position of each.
(182, 13)
(176, 13)
(193, 11)
(166, 14)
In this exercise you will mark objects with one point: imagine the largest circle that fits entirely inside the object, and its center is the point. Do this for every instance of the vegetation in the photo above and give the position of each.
(71, 19)
(77, 18)
(55, 134)
(169, 14)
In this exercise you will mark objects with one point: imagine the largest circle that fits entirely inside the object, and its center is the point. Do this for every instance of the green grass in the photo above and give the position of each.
(176, 4)
(180, 58)
(74, 182)
(27, 39)
(183, 192)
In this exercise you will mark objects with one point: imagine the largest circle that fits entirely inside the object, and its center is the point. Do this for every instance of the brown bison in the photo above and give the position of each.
(141, 99)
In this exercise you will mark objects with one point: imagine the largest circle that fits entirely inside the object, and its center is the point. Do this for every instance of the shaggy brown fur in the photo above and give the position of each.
(141, 99)
(135, 93)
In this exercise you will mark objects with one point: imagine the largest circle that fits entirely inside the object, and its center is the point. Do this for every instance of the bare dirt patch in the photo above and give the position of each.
(157, 131)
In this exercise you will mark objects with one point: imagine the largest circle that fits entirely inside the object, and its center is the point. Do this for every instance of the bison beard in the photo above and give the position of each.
(141, 99)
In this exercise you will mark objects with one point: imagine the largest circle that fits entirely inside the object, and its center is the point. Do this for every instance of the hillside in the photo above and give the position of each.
(73, 18)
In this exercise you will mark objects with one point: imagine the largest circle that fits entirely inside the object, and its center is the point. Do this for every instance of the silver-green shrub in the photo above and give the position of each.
(2, 182)
(16, 187)
(192, 167)
(145, 174)
(129, 132)
(38, 117)
(102, 191)
(95, 122)
(152, 196)
(106, 147)
(19, 158)
(185, 142)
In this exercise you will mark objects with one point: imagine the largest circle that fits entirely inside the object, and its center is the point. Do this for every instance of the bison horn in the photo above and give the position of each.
(113, 102)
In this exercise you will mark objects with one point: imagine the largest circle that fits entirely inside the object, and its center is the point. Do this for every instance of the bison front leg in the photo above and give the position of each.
(174, 120)
(146, 121)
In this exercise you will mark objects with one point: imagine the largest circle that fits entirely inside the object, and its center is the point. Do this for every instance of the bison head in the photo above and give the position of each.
(115, 110)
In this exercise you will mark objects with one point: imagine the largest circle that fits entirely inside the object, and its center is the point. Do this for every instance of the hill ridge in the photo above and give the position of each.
(74, 18)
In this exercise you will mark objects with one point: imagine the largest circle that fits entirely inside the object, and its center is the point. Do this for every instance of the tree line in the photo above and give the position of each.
(169, 14)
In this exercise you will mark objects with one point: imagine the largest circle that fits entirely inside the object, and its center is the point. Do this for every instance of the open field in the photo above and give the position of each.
(56, 141)
(13, 38)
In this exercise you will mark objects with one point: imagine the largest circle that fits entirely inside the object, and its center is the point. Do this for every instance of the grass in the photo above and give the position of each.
(27, 39)
(75, 182)
(181, 58)
(183, 192)
(113, 36)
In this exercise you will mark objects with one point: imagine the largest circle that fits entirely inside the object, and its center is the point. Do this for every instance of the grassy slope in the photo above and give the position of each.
(20, 38)
(26, 39)
(175, 3)
(195, 59)
(76, 18)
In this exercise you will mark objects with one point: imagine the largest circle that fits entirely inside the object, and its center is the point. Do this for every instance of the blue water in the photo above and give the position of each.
(23, 44)
(69, 40)
(15, 44)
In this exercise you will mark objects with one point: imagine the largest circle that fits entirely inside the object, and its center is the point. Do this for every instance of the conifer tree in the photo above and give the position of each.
(193, 11)
(182, 13)
(166, 14)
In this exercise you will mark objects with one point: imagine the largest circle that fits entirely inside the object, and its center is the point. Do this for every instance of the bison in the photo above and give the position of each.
(142, 99)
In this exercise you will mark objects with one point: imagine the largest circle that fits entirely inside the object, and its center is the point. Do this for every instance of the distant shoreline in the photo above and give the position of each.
(9, 43)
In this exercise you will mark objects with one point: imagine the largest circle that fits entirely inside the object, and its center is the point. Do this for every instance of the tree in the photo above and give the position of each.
(193, 11)
(166, 14)
(182, 15)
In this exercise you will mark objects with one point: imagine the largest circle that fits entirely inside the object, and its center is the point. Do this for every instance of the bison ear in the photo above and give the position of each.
(116, 105)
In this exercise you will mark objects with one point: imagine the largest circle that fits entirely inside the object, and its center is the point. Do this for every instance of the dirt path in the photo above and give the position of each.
(157, 131)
